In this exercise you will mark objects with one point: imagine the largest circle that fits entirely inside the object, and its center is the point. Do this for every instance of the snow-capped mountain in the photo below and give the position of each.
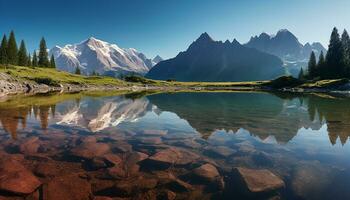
(286, 46)
(94, 55)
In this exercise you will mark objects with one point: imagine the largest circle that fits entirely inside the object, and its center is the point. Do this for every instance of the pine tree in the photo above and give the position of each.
(345, 41)
(34, 60)
(43, 58)
(52, 62)
(29, 60)
(335, 57)
(3, 51)
(77, 70)
(301, 74)
(321, 65)
(12, 49)
(22, 55)
(312, 66)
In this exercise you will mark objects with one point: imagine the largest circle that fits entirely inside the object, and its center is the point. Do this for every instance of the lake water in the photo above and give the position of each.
(304, 140)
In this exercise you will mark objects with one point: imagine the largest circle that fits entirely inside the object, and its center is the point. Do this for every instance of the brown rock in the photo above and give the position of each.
(71, 187)
(102, 198)
(207, 171)
(174, 156)
(30, 146)
(259, 181)
(151, 140)
(135, 157)
(113, 158)
(222, 151)
(15, 178)
(91, 150)
(167, 195)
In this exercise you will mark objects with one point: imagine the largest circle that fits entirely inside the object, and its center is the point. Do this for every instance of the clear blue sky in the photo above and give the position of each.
(166, 27)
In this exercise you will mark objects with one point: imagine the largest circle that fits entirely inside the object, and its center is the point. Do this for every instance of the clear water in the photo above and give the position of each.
(302, 139)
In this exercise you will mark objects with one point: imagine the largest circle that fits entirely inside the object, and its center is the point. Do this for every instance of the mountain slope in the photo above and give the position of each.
(93, 55)
(209, 60)
(286, 46)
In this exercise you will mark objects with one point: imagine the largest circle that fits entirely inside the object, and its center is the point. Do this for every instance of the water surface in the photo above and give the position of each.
(301, 139)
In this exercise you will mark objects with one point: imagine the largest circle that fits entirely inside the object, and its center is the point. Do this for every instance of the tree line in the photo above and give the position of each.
(10, 54)
(336, 63)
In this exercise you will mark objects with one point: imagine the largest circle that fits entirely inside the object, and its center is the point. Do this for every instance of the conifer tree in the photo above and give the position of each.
(12, 49)
(77, 70)
(29, 60)
(345, 40)
(43, 59)
(22, 55)
(3, 50)
(52, 62)
(301, 74)
(34, 60)
(321, 65)
(312, 66)
(335, 57)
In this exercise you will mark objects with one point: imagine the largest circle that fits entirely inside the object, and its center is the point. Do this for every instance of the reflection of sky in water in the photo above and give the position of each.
(287, 133)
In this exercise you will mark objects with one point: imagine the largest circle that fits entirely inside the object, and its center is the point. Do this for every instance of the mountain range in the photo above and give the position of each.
(210, 60)
(286, 46)
(94, 55)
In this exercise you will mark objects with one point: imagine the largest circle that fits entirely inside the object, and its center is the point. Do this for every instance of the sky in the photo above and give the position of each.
(166, 27)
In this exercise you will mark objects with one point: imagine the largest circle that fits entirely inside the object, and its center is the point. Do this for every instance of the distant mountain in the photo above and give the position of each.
(286, 46)
(209, 60)
(157, 59)
(101, 57)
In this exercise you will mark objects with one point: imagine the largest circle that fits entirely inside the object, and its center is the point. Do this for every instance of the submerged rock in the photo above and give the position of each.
(207, 172)
(90, 150)
(72, 187)
(258, 181)
(221, 151)
(173, 156)
(15, 178)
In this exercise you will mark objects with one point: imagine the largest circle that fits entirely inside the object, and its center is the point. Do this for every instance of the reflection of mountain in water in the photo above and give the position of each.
(261, 114)
(98, 114)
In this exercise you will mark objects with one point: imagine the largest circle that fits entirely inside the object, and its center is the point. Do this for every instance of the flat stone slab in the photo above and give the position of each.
(207, 171)
(15, 178)
(68, 187)
(259, 181)
(174, 156)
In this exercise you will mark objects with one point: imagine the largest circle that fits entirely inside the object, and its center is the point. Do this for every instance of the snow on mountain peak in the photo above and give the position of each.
(95, 55)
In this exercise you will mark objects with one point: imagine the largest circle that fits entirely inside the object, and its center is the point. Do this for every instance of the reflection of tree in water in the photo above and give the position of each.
(11, 117)
(260, 113)
(335, 112)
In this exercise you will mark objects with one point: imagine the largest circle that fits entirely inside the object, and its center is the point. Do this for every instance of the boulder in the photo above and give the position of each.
(72, 187)
(173, 156)
(258, 181)
(207, 172)
(90, 150)
(221, 151)
(15, 178)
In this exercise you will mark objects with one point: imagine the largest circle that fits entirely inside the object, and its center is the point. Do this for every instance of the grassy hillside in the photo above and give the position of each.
(54, 77)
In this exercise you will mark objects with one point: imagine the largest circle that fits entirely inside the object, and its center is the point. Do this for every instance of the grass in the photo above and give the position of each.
(325, 83)
(54, 77)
